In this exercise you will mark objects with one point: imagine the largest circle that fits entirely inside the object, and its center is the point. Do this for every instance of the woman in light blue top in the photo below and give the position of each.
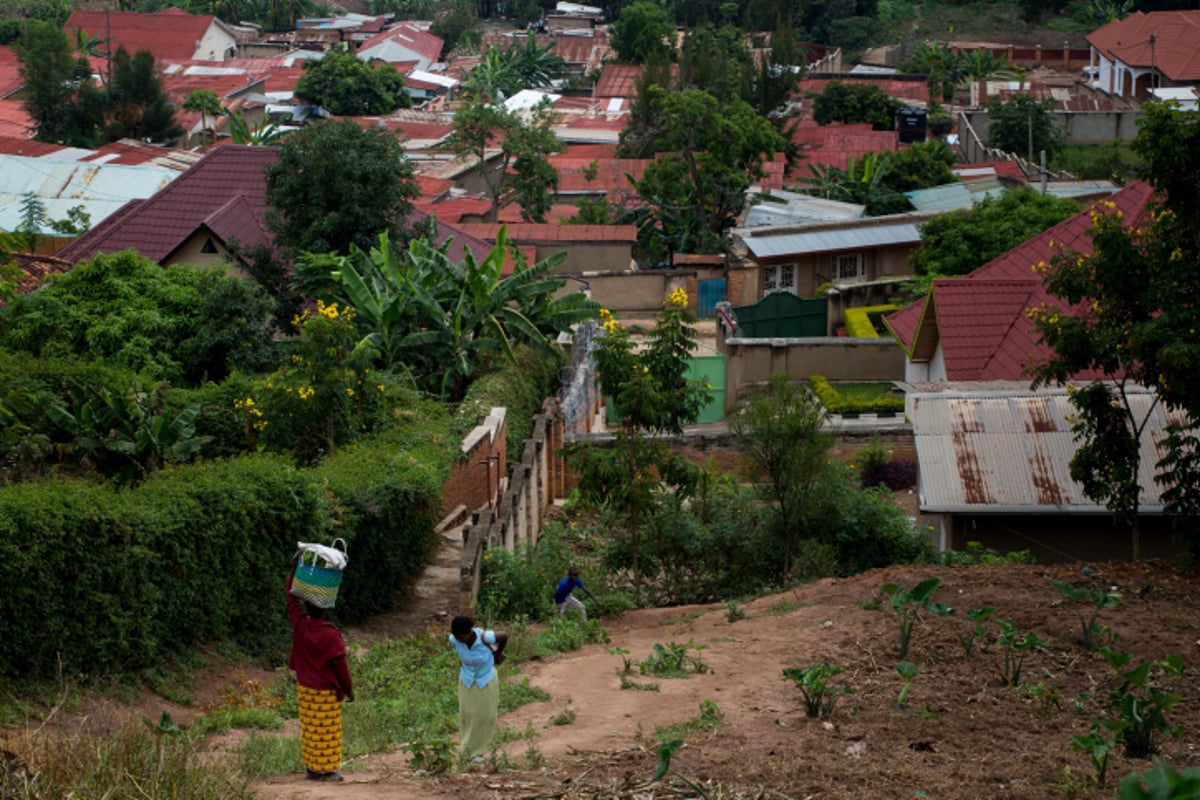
(478, 690)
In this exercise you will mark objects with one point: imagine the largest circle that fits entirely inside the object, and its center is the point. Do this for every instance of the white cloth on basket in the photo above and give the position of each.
(333, 558)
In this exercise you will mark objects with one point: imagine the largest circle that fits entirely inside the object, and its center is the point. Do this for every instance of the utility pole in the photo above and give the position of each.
(1153, 66)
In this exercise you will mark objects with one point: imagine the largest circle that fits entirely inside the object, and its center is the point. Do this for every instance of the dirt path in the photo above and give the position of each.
(961, 734)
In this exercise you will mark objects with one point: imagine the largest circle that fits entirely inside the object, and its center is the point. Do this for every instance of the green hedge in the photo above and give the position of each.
(860, 322)
(835, 404)
(114, 581)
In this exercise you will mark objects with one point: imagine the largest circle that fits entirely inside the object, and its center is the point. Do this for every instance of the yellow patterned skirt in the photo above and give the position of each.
(320, 729)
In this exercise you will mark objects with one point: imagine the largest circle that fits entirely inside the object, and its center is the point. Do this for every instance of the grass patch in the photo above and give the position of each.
(785, 606)
(683, 618)
(860, 392)
(710, 717)
(263, 755)
(629, 683)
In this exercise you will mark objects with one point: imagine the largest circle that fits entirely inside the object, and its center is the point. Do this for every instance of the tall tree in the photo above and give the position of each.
(338, 184)
(708, 154)
(643, 30)
(207, 103)
(59, 96)
(138, 105)
(1131, 309)
(479, 129)
(345, 85)
(782, 430)
(533, 179)
(1020, 124)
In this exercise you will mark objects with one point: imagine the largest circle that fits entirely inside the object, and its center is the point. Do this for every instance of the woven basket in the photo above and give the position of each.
(316, 582)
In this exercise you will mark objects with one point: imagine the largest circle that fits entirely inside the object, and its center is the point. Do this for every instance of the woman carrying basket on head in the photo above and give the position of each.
(323, 676)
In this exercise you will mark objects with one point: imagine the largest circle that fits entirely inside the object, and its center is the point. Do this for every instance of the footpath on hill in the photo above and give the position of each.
(961, 733)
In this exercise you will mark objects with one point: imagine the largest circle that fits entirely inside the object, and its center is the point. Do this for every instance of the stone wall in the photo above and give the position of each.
(476, 478)
(532, 487)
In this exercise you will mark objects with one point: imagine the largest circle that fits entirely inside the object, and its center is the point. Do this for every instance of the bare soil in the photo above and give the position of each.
(961, 733)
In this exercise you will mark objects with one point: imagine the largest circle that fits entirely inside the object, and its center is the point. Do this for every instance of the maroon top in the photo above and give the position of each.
(318, 653)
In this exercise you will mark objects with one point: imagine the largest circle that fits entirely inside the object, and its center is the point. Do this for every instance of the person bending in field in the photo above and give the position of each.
(564, 596)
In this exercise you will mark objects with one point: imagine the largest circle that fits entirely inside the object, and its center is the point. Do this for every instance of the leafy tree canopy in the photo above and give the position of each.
(643, 30)
(856, 102)
(1020, 124)
(345, 85)
(961, 241)
(172, 323)
(709, 154)
(59, 96)
(337, 184)
(138, 105)
(446, 321)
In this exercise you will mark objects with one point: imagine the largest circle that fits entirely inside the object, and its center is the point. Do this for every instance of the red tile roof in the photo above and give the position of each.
(34, 269)
(170, 34)
(1176, 48)
(10, 72)
(610, 177)
(980, 320)
(225, 191)
(589, 50)
(14, 121)
(832, 145)
(618, 80)
(455, 210)
(432, 188)
(906, 89)
(590, 151)
(527, 232)
(558, 213)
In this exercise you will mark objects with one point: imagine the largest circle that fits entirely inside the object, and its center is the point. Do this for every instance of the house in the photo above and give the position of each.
(801, 258)
(1142, 52)
(198, 217)
(404, 42)
(995, 468)
(169, 35)
(975, 328)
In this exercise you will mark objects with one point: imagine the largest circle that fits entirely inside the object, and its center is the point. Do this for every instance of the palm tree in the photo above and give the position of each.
(985, 65)
(534, 65)
(206, 102)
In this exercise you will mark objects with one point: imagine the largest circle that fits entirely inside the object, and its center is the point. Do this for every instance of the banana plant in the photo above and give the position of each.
(442, 319)
(128, 434)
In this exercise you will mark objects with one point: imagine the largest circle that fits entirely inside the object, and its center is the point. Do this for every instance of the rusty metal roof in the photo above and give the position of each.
(1007, 449)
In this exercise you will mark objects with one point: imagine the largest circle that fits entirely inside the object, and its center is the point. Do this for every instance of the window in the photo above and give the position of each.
(848, 267)
(208, 246)
(779, 278)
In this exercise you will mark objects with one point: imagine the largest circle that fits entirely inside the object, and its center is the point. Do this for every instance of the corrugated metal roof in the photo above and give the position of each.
(849, 238)
(99, 188)
(1010, 451)
(954, 196)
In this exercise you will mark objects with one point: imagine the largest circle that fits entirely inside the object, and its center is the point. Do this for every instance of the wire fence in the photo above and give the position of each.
(580, 392)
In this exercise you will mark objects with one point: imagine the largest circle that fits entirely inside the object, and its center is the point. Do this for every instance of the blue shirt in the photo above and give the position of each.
(478, 664)
(565, 587)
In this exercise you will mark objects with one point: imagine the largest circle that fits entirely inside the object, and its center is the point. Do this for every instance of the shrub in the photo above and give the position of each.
(120, 580)
(175, 323)
(835, 404)
(866, 322)
(897, 474)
